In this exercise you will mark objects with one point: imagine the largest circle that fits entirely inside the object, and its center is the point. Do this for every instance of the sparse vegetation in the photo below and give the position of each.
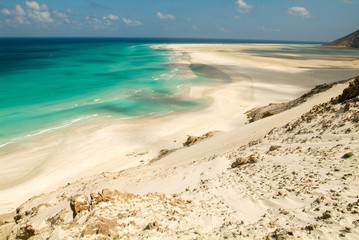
(348, 155)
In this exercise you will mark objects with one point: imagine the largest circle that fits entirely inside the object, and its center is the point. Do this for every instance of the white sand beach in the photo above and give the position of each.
(288, 190)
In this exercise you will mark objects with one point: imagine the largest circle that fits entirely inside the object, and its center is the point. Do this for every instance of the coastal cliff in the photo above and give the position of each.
(350, 41)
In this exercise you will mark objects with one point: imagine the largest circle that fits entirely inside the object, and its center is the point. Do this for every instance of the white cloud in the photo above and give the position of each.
(36, 6)
(41, 16)
(19, 10)
(299, 12)
(103, 22)
(348, 1)
(6, 11)
(243, 7)
(165, 16)
(20, 20)
(33, 5)
(18, 15)
(237, 17)
(131, 22)
(265, 29)
(61, 16)
(113, 17)
(195, 27)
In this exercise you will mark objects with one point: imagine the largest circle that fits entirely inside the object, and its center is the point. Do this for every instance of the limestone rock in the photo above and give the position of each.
(152, 225)
(253, 158)
(79, 203)
(105, 196)
(349, 93)
(281, 234)
(193, 139)
(102, 226)
(25, 232)
(274, 147)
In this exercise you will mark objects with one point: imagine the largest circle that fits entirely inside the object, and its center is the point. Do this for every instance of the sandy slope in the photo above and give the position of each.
(301, 188)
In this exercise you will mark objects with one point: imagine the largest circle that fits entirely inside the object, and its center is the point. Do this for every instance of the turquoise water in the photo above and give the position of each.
(49, 84)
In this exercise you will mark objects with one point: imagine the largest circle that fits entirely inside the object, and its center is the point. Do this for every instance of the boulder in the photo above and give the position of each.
(79, 203)
(25, 232)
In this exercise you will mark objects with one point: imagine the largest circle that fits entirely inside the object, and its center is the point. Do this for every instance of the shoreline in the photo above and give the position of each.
(118, 145)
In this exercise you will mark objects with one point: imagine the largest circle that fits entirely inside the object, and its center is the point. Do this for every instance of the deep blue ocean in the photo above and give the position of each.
(48, 83)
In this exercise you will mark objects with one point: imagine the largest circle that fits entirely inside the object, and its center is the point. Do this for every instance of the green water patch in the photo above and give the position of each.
(49, 86)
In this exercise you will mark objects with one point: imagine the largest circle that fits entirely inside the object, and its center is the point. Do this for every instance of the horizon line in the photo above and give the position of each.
(165, 38)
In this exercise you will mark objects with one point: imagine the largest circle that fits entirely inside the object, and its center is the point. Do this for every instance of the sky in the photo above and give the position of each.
(294, 20)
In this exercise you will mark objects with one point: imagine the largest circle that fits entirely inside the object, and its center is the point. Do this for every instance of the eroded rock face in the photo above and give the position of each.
(258, 113)
(349, 93)
(79, 203)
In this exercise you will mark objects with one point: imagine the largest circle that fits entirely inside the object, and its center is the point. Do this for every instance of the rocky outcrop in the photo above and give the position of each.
(102, 226)
(105, 196)
(253, 158)
(25, 232)
(163, 153)
(193, 139)
(108, 215)
(256, 114)
(349, 93)
(189, 142)
(79, 203)
(350, 41)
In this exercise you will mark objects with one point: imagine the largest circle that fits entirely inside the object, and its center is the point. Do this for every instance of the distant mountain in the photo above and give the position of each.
(352, 40)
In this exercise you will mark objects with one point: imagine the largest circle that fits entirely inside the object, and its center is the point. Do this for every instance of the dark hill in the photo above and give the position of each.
(351, 40)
